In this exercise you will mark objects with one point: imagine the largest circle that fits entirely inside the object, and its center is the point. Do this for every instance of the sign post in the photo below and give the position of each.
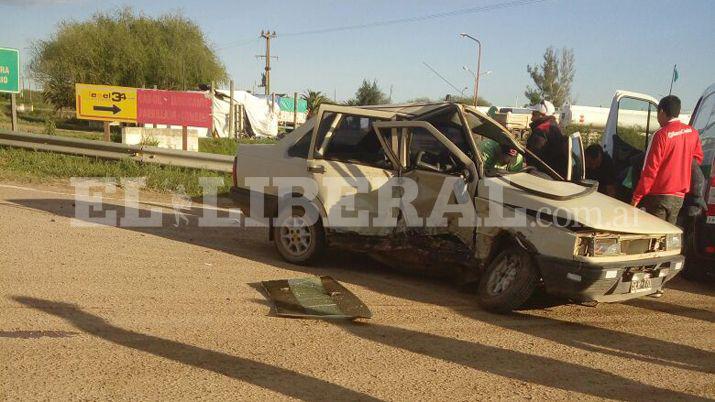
(13, 109)
(106, 103)
(10, 78)
(173, 108)
(295, 110)
(143, 106)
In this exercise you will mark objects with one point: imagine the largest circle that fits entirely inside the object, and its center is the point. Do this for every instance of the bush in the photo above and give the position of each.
(50, 126)
(149, 142)
(125, 49)
(589, 135)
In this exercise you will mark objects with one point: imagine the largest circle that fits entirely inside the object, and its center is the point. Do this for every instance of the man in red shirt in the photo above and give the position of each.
(665, 178)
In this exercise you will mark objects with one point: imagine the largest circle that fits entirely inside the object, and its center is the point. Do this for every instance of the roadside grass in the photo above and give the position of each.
(34, 166)
(228, 146)
(45, 121)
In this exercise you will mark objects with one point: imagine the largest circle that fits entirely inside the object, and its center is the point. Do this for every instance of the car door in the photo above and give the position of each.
(441, 173)
(577, 163)
(349, 164)
(703, 120)
(631, 121)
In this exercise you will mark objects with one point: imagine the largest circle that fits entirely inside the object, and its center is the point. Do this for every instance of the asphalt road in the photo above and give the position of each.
(170, 313)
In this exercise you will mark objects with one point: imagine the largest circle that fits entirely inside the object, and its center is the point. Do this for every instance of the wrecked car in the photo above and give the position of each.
(418, 195)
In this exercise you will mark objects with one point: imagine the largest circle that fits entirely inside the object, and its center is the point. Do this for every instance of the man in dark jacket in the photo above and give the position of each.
(695, 200)
(599, 167)
(546, 140)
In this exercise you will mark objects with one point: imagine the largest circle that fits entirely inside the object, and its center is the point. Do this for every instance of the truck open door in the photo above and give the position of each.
(632, 120)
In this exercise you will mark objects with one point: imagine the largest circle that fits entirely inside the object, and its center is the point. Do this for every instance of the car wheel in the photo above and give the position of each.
(509, 280)
(693, 269)
(296, 240)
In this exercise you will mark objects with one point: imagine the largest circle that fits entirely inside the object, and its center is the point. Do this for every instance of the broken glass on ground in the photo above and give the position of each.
(317, 297)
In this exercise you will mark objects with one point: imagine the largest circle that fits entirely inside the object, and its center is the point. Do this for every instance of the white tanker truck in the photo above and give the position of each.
(596, 117)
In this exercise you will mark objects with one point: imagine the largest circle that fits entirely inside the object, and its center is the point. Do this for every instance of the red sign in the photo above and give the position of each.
(173, 108)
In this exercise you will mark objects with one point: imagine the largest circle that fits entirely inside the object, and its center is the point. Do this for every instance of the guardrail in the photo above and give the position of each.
(110, 150)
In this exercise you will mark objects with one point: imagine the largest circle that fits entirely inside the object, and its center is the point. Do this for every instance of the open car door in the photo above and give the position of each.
(441, 173)
(349, 164)
(576, 165)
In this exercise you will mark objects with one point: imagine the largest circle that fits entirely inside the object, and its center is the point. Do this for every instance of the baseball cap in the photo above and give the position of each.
(544, 107)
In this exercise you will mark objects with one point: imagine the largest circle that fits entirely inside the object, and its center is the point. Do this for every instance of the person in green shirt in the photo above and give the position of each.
(503, 157)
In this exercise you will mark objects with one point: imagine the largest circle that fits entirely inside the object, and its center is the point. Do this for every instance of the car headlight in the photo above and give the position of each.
(673, 241)
(606, 246)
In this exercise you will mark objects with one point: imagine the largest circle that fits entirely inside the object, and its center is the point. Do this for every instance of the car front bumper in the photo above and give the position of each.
(610, 282)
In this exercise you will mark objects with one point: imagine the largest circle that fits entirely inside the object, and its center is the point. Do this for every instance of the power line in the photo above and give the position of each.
(238, 43)
(445, 14)
(442, 77)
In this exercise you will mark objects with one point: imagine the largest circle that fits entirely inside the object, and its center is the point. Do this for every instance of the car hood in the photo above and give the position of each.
(594, 210)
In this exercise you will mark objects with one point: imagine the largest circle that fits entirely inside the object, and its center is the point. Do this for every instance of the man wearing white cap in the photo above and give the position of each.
(546, 140)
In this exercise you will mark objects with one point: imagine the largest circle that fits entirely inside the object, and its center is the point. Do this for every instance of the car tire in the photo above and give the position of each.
(296, 241)
(693, 268)
(509, 280)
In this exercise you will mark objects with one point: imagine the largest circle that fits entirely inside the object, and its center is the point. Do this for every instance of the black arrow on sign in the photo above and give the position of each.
(114, 109)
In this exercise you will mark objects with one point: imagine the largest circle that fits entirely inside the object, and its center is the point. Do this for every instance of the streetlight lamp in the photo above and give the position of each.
(469, 70)
(479, 63)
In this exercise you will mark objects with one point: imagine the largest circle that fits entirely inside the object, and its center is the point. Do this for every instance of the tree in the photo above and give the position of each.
(420, 99)
(469, 100)
(314, 99)
(553, 78)
(125, 49)
(368, 94)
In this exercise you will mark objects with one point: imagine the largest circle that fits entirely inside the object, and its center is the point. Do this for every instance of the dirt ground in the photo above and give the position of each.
(148, 313)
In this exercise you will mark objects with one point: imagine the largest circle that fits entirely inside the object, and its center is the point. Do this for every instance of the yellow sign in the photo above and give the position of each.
(104, 102)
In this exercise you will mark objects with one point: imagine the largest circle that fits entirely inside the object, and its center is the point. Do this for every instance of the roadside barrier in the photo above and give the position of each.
(110, 150)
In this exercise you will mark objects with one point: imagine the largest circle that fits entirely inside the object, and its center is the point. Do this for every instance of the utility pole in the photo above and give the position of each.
(231, 112)
(268, 35)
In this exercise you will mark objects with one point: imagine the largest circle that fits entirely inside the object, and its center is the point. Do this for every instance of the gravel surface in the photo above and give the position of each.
(171, 312)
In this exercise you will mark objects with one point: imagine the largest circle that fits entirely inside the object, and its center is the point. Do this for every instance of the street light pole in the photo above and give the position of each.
(479, 64)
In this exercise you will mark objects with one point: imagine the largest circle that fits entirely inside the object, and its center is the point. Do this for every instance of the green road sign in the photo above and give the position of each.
(9, 70)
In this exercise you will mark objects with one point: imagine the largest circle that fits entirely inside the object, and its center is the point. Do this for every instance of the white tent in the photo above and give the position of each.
(262, 116)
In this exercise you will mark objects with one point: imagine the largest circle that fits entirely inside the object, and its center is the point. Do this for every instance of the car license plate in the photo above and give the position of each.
(711, 220)
(640, 283)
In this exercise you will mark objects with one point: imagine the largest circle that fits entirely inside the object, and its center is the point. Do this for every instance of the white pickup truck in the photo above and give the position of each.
(627, 148)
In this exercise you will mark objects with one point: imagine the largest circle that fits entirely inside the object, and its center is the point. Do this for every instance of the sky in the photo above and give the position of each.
(618, 44)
